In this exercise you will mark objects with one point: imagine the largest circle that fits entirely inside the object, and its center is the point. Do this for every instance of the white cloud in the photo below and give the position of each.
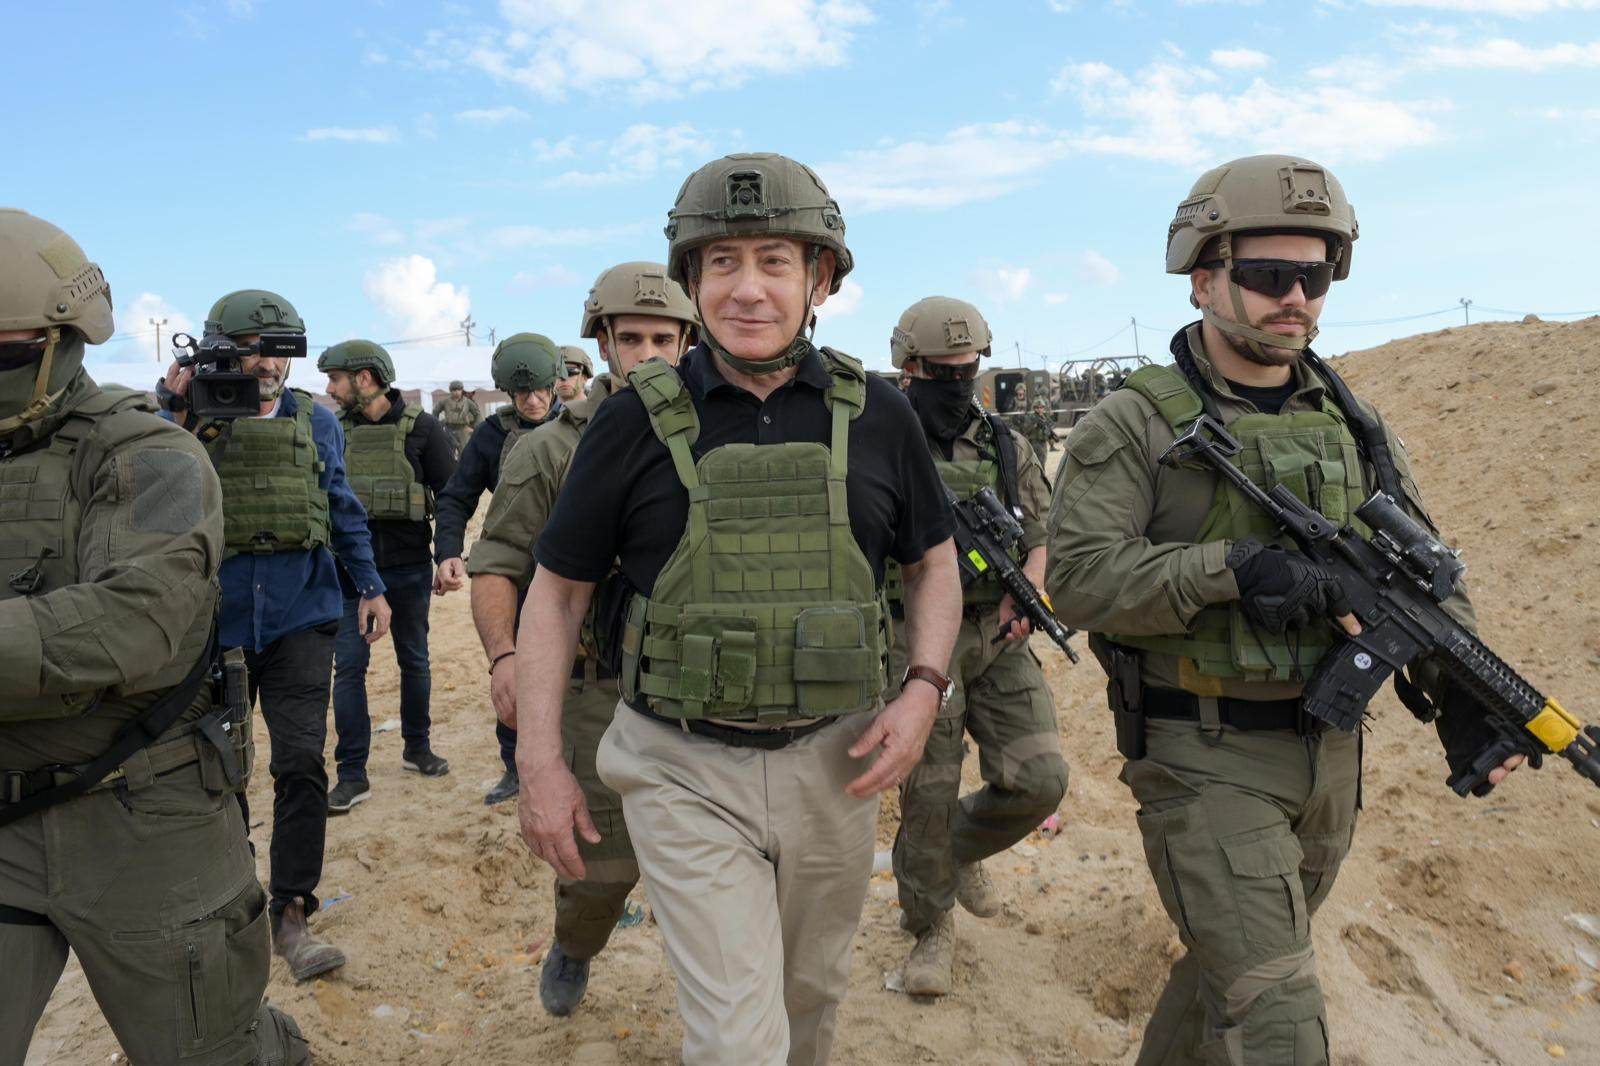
(134, 318)
(642, 150)
(971, 163)
(529, 236)
(1240, 59)
(242, 9)
(1055, 298)
(409, 293)
(1097, 269)
(377, 228)
(550, 46)
(844, 302)
(565, 148)
(1004, 284)
(1515, 8)
(1503, 54)
(362, 135)
(491, 116)
(1169, 113)
(374, 57)
(553, 276)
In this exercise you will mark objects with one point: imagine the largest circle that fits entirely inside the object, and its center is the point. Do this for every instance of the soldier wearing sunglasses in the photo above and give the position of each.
(1207, 621)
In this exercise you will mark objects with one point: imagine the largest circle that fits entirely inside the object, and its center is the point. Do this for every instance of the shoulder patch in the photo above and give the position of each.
(167, 489)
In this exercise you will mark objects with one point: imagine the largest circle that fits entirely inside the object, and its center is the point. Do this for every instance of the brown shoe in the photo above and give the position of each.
(927, 971)
(306, 955)
(976, 892)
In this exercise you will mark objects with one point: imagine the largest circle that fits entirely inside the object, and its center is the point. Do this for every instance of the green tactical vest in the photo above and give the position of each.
(964, 477)
(1314, 455)
(379, 473)
(40, 512)
(767, 609)
(272, 500)
(457, 414)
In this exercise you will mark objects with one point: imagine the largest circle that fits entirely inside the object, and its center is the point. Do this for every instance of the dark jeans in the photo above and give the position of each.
(410, 589)
(290, 676)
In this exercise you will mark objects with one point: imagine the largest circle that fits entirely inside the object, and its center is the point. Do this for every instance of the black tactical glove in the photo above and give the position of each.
(1282, 590)
(1464, 734)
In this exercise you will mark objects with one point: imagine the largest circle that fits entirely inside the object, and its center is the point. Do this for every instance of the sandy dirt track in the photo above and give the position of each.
(1445, 941)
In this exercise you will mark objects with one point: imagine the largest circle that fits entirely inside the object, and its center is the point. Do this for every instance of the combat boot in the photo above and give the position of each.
(927, 971)
(507, 789)
(306, 955)
(562, 981)
(975, 892)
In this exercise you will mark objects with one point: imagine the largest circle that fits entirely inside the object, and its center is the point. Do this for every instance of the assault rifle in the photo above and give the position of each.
(1396, 582)
(985, 534)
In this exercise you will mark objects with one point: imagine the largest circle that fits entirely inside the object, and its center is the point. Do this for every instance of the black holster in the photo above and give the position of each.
(227, 727)
(1125, 693)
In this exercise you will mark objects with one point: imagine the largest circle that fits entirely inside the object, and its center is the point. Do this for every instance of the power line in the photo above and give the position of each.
(1538, 314)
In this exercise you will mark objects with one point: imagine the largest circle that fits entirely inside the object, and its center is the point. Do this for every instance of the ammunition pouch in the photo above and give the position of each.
(227, 750)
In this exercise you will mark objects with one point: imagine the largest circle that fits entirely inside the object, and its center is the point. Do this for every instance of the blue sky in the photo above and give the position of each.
(394, 167)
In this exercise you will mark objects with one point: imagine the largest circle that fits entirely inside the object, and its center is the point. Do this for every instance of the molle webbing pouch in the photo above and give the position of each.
(272, 496)
(379, 473)
(1314, 456)
(767, 610)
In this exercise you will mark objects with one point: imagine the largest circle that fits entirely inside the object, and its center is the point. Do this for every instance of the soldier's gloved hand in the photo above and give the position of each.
(1463, 733)
(1282, 590)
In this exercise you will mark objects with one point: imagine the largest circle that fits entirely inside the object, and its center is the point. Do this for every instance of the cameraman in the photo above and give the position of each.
(285, 504)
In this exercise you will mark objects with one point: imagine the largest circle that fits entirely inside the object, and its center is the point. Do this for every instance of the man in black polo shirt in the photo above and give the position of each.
(396, 458)
(750, 496)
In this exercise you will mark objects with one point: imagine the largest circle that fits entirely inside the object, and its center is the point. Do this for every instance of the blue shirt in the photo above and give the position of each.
(265, 597)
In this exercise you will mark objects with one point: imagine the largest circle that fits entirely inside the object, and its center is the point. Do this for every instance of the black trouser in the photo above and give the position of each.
(508, 745)
(292, 676)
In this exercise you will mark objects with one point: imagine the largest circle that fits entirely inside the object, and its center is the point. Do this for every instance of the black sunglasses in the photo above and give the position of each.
(950, 371)
(576, 369)
(1275, 277)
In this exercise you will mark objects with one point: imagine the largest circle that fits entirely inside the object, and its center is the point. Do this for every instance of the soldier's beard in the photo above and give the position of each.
(1265, 354)
(270, 388)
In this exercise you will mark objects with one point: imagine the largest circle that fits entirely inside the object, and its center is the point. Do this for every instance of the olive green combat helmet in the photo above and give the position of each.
(454, 385)
(939, 325)
(526, 361)
(756, 194)
(353, 355)
(636, 289)
(253, 311)
(1260, 194)
(46, 282)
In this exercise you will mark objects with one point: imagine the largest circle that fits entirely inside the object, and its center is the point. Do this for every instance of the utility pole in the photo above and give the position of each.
(1135, 322)
(466, 328)
(158, 323)
(1019, 353)
(492, 341)
(1466, 311)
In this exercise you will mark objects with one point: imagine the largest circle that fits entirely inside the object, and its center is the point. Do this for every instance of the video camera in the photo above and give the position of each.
(220, 389)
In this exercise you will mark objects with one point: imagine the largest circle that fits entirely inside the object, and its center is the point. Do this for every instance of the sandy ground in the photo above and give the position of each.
(1446, 940)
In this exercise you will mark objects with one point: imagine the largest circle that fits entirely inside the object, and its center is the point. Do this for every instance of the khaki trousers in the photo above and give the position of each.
(756, 864)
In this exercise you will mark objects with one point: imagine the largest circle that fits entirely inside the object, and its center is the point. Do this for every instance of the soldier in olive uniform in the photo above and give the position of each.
(635, 313)
(396, 458)
(1207, 620)
(459, 413)
(1040, 430)
(580, 371)
(750, 495)
(1001, 697)
(528, 367)
(120, 834)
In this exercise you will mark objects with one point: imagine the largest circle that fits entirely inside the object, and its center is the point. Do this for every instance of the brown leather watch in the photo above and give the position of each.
(933, 677)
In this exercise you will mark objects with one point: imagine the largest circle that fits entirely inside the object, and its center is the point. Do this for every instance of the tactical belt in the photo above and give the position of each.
(138, 771)
(1243, 715)
(764, 739)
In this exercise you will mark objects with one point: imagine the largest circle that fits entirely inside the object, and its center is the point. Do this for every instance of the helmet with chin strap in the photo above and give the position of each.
(757, 194)
(47, 284)
(1259, 194)
(635, 289)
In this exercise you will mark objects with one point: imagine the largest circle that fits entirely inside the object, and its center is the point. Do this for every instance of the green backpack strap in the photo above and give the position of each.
(1169, 392)
(672, 416)
(302, 424)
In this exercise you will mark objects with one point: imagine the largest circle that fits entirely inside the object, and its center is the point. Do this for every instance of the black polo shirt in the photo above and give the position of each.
(622, 499)
(398, 541)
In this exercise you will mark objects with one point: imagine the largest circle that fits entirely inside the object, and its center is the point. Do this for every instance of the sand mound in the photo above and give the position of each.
(1445, 940)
